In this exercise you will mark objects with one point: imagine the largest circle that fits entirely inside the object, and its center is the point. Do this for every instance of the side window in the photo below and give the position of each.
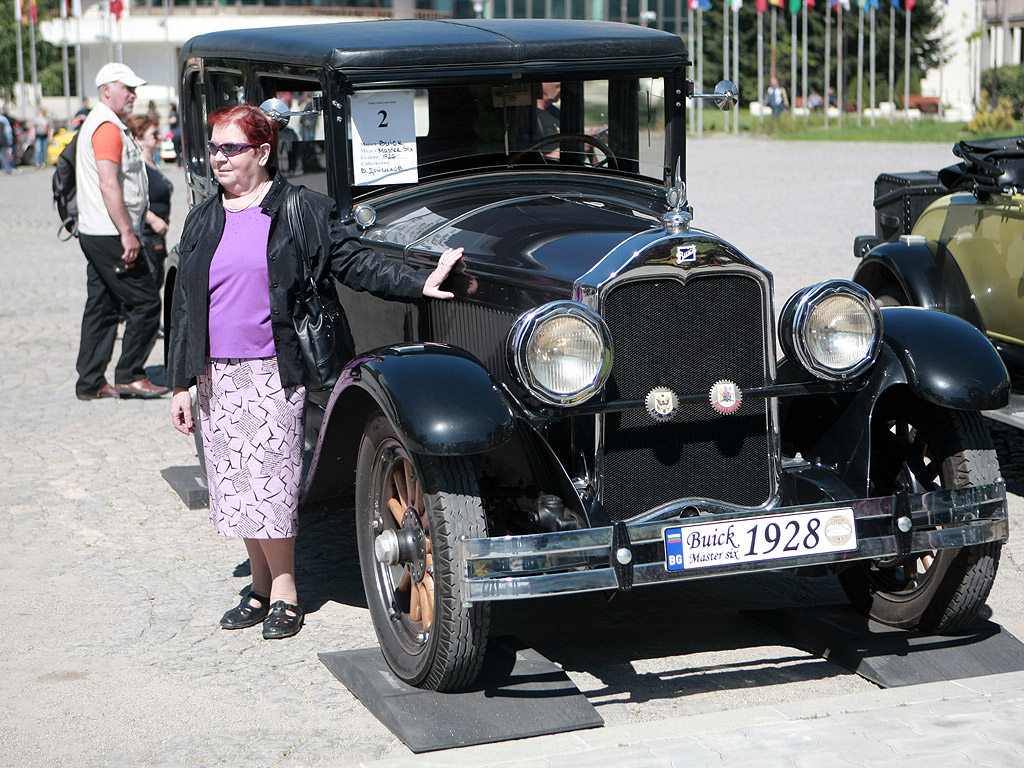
(300, 149)
(222, 88)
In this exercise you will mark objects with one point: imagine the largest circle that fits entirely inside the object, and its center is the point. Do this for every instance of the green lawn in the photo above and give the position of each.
(813, 128)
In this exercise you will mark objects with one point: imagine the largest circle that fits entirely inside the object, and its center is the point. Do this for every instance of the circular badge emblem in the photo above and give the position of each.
(838, 530)
(725, 396)
(662, 403)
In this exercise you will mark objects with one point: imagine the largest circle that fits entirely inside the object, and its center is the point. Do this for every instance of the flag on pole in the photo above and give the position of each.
(736, 4)
(33, 11)
(776, 3)
(794, 6)
(762, 6)
(704, 5)
(116, 8)
(810, 3)
(910, 4)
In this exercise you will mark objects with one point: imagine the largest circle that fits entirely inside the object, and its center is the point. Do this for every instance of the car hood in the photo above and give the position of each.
(560, 235)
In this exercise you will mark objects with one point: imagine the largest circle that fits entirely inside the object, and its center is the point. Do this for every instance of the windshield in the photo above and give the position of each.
(405, 136)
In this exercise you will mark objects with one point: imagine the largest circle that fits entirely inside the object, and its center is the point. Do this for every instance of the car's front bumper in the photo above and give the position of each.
(535, 565)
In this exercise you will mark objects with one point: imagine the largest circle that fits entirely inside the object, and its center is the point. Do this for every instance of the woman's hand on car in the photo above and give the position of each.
(448, 261)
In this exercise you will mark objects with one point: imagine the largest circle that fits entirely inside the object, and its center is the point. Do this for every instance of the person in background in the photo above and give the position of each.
(776, 98)
(6, 142)
(174, 126)
(44, 132)
(232, 335)
(154, 232)
(113, 195)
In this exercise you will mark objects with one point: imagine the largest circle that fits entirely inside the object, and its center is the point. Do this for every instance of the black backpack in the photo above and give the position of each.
(65, 189)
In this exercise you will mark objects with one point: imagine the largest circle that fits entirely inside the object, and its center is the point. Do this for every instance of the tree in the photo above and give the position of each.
(49, 64)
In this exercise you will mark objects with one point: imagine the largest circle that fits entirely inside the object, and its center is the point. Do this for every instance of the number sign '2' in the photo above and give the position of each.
(383, 128)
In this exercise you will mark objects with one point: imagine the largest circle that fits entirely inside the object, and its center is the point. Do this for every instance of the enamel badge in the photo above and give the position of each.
(662, 403)
(725, 396)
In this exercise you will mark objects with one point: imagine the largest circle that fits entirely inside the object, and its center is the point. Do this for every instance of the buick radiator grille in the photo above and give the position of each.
(686, 337)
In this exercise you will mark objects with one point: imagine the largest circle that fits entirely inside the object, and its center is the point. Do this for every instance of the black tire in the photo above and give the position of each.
(918, 447)
(429, 637)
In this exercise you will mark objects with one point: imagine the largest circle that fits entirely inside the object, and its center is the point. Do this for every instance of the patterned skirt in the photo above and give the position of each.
(253, 443)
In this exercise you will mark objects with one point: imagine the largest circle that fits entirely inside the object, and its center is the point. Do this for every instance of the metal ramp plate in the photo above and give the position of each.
(519, 694)
(893, 657)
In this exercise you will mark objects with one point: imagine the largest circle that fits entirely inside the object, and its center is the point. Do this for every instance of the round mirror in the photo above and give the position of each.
(726, 95)
(277, 111)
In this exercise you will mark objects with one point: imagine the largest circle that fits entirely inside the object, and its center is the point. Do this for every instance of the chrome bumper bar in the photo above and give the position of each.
(626, 555)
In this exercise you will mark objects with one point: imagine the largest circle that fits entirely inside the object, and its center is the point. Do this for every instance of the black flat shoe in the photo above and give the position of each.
(246, 615)
(279, 623)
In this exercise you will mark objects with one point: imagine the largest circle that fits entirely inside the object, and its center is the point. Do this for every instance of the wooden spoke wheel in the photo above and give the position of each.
(411, 510)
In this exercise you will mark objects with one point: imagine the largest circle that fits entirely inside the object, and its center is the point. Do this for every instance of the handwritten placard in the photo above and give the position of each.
(383, 127)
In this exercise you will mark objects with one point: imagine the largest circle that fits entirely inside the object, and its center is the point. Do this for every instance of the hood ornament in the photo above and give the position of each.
(679, 215)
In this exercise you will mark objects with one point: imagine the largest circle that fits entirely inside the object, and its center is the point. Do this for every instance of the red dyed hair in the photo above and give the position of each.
(257, 127)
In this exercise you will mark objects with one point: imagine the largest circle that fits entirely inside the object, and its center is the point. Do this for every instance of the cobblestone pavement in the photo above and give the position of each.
(111, 653)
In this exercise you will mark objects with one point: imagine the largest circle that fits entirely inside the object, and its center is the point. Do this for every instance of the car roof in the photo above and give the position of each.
(429, 48)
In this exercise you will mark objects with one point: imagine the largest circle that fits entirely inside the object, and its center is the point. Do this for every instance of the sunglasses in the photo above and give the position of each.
(228, 148)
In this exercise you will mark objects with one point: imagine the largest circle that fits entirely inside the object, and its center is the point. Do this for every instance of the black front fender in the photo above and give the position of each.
(946, 360)
(441, 399)
(940, 358)
(924, 272)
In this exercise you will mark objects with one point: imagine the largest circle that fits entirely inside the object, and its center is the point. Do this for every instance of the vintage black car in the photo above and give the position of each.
(604, 405)
(953, 240)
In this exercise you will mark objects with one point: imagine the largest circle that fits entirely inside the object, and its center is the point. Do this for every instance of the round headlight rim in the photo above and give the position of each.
(797, 313)
(525, 328)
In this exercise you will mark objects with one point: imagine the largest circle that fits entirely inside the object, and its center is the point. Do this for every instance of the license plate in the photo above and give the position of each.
(773, 537)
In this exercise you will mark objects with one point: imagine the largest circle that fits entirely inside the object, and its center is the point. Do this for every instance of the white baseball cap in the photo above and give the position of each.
(116, 72)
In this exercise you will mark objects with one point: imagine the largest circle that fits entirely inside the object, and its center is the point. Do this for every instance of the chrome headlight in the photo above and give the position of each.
(833, 329)
(561, 352)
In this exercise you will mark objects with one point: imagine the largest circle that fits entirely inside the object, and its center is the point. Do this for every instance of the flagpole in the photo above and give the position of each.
(760, 64)
(771, 61)
(840, 46)
(860, 65)
(892, 60)
(64, 57)
(792, 64)
(828, 56)
(18, 14)
(906, 70)
(32, 58)
(871, 64)
(693, 57)
(725, 53)
(700, 70)
(803, 65)
(736, 63)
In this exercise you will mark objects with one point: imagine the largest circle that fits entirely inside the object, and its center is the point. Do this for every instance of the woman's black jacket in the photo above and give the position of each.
(332, 245)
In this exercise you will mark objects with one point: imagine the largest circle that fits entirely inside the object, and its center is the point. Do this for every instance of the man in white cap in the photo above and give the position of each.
(113, 195)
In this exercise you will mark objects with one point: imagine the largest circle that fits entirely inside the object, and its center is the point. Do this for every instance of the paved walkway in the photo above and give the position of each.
(110, 653)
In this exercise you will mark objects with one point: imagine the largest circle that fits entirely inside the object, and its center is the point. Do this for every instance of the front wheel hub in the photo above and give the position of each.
(405, 546)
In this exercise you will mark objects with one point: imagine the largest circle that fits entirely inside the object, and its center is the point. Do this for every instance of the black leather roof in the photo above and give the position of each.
(426, 46)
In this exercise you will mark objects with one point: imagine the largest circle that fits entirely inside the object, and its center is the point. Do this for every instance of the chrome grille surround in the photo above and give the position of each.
(684, 326)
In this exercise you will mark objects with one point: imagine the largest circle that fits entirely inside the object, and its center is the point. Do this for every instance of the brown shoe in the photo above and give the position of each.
(142, 388)
(105, 391)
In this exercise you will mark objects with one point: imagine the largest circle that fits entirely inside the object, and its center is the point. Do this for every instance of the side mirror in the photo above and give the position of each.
(725, 97)
(277, 111)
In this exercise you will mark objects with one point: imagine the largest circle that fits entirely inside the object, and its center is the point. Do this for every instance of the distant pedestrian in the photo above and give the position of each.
(776, 99)
(44, 132)
(147, 132)
(6, 142)
(113, 195)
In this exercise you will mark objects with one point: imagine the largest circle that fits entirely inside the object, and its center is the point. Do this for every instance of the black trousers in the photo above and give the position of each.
(111, 289)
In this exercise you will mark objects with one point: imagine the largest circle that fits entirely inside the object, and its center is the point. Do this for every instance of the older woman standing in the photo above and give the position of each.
(146, 131)
(232, 334)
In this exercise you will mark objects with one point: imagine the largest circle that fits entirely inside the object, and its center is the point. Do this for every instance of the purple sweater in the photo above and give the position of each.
(240, 288)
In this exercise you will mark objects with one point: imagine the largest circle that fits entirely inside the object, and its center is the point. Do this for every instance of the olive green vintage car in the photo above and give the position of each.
(953, 240)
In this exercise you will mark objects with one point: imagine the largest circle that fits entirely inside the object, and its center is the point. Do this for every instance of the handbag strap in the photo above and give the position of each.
(293, 215)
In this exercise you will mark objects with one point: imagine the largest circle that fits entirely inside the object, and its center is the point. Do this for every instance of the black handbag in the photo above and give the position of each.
(320, 329)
